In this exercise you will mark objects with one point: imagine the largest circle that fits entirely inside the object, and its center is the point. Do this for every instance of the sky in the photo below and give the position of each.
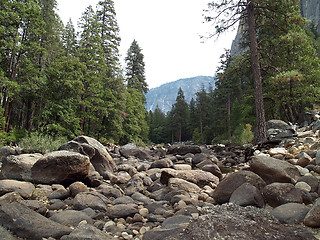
(167, 31)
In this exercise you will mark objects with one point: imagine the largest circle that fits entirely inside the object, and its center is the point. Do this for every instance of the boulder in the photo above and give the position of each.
(29, 224)
(178, 221)
(60, 167)
(274, 170)
(198, 158)
(312, 219)
(25, 189)
(71, 218)
(183, 149)
(277, 130)
(312, 181)
(247, 195)
(92, 200)
(131, 150)
(199, 177)
(87, 232)
(214, 169)
(134, 185)
(230, 183)
(77, 187)
(175, 184)
(162, 163)
(109, 191)
(304, 159)
(318, 158)
(277, 194)
(5, 234)
(290, 213)
(122, 211)
(98, 154)
(18, 167)
(6, 151)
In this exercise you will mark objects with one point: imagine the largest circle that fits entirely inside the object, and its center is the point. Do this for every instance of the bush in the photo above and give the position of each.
(41, 143)
(242, 134)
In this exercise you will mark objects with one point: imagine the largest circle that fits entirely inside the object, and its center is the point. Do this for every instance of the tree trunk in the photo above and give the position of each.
(30, 114)
(261, 135)
(229, 118)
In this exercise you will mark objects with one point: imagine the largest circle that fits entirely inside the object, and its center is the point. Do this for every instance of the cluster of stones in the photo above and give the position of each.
(179, 192)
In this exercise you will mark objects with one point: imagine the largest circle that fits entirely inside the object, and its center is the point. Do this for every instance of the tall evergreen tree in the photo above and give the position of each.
(109, 32)
(20, 51)
(180, 115)
(135, 69)
(234, 11)
(91, 54)
(69, 39)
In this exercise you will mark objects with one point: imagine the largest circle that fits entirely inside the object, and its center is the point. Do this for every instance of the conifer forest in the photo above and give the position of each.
(59, 82)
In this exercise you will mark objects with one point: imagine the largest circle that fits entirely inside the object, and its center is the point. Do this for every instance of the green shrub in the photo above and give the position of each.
(242, 134)
(37, 142)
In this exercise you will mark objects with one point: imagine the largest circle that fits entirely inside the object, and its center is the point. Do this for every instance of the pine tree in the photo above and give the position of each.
(91, 54)
(234, 11)
(20, 51)
(69, 39)
(135, 69)
(180, 116)
(109, 32)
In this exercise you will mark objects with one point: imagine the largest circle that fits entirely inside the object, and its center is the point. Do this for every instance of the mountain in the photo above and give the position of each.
(165, 95)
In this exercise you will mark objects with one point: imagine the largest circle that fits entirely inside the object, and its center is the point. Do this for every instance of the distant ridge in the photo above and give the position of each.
(166, 94)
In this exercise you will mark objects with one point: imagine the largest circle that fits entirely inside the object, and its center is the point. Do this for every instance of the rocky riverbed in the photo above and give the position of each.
(89, 191)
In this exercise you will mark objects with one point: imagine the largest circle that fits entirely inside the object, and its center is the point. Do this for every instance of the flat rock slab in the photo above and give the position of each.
(29, 224)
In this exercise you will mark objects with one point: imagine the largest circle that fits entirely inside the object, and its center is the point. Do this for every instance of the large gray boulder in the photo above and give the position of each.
(277, 194)
(277, 130)
(71, 218)
(184, 149)
(18, 167)
(122, 211)
(25, 189)
(199, 177)
(247, 195)
(93, 200)
(98, 154)
(60, 167)
(29, 224)
(131, 150)
(313, 217)
(274, 170)
(6, 151)
(87, 232)
(230, 183)
(290, 213)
